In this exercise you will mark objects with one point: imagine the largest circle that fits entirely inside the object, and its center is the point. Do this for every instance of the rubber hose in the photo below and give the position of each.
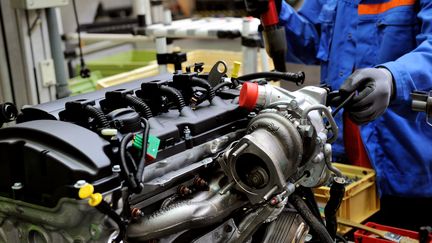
(204, 84)
(337, 191)
(142, 163)
(341, 239)
(98, 115)
(139, 105)
(105, 208)
(311, 220)
(8, 112)
(297, 78)
(220, 85)
(175, 95)
(308, 194)
(125, 170)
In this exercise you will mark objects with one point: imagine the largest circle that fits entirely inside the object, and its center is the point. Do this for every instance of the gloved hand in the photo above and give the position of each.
(375, 89)
(256, 7)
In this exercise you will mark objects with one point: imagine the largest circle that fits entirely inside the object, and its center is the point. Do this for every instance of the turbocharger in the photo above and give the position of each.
(286, 143)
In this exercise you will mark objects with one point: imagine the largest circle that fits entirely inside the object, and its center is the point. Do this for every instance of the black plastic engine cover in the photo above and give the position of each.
(47, 158)
(48, 155)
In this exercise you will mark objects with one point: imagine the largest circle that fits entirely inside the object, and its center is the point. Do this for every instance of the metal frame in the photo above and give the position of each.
(26, 42)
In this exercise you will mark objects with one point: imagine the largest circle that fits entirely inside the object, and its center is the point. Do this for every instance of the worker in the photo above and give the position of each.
(382, 50)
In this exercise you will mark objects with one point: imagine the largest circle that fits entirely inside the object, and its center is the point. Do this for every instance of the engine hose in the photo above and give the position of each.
(8, 113)
(142, 163)
(309, 196)
(311, 220)
(221, 85)
(140, 105)
(105, 208)
(175, 95)
(125, 169)
(337, 191)
(98, 115)
(297, 78)
(204, 84)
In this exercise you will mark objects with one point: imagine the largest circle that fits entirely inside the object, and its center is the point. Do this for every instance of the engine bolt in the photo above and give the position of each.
(80, 184)
(252, 114)
(116, 169)
(294, 104)
(187, 133)
(274, 201)
(184, 190)
(200, 182)
(17, 186)
(136, 213)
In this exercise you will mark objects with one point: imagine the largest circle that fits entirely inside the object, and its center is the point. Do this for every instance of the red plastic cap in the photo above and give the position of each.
(271, 17)
(248, 95)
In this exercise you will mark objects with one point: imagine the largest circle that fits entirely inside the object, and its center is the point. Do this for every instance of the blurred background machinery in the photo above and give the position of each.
(41, 56)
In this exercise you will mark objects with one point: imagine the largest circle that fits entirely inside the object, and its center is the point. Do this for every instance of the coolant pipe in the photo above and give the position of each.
(337, 191)
(323, 108)
(301, 207)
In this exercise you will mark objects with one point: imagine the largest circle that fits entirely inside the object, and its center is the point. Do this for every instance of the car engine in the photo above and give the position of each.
(174, 158)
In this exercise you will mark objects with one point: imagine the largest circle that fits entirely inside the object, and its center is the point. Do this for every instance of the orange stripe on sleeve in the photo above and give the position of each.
(377, 8)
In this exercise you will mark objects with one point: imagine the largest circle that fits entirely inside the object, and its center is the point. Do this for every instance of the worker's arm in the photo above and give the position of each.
(413, 71)
(302, 31)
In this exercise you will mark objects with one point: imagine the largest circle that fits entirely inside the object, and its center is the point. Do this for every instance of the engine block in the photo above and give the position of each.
(169, 158)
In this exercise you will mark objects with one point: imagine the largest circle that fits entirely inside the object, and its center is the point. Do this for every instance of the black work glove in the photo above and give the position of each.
(257, 7)
(375, 90)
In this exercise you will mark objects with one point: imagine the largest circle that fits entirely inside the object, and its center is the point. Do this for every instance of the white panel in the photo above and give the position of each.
(47, 72)
(38, 4)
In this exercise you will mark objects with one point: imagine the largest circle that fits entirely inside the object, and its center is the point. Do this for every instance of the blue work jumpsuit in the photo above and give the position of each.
(344, 35)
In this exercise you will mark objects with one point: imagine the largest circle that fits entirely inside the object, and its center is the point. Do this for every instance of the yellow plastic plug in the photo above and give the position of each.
(87, 192)
(236, 69)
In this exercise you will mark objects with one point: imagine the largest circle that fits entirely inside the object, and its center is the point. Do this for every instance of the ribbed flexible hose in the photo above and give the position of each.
(337, 192)
(175, 95)
(311, 220)
(220, 85)
(98, 115)
(297, 78)
(139, 105)
(205, 85)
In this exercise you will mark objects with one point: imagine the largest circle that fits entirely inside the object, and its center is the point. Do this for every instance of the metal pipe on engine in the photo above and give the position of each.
(204, 209)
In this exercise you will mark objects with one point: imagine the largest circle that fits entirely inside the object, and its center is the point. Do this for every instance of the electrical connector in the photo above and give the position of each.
(152, 145)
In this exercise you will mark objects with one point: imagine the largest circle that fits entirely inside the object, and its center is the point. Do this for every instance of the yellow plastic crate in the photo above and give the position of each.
(361, 199)
(209, 57)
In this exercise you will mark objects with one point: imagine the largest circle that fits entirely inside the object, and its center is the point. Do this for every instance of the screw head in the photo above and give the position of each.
(294, 104)
(80, 184)
(17, 186)
(252, 114)
(116, 169)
